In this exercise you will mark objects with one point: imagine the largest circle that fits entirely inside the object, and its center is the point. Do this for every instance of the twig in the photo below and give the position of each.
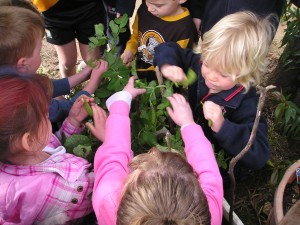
(159, 80)
(263, 93)
(168, 140)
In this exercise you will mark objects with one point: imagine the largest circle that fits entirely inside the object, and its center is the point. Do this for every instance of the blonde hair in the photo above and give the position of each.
(238, 45)
(162, 189)
(20, 29)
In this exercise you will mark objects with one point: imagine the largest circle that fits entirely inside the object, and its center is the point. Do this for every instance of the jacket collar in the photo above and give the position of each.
(229, 98)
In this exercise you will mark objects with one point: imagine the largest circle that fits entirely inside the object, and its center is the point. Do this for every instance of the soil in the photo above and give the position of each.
(291, 195)
(254, 195)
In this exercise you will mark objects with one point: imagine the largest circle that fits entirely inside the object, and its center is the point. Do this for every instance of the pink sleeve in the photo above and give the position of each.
(200, 155)
(110, 164)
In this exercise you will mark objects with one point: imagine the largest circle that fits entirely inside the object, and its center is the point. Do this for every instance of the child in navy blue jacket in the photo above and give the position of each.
(232, 60)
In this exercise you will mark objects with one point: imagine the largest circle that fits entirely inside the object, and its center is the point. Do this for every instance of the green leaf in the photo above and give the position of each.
(279, 111)
(82, 151)
(124, 20)
(75, 140)
(149, 138)
(167, 93)
(110, 58)
(123, 30)
(103, 93)
(114, 84)
(114, 28)
(191, 78)
(99, 29)
(93, 40)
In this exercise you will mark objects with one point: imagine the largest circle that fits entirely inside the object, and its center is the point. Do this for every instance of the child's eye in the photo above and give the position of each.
(157, 6)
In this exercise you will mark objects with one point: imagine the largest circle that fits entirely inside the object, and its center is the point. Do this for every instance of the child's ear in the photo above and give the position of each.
(27, 141)
(21, 66)
(182, 1)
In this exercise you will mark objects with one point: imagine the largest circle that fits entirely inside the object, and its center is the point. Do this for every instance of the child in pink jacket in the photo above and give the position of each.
(155, 187)
(39, 182)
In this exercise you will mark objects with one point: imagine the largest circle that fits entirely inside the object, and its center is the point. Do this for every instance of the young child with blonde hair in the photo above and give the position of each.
(232, 61)
(40, 182)
(157, 187)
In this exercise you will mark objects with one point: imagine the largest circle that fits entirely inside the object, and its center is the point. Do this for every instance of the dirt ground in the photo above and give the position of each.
(255, 194)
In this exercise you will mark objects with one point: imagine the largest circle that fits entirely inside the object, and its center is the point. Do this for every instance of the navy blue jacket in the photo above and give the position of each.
(239, 109)
(211, 11)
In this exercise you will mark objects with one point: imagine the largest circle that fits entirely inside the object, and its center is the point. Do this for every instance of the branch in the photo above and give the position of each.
(159, 80)
(263, 93)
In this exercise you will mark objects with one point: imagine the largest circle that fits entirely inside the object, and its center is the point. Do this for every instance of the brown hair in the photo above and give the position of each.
(20, 30)
(162, 189)
(24, 102)
(19, 3)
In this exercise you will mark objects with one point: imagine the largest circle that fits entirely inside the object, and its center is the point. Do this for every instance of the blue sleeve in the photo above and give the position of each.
(60, 87)
(171, 53)
(59, 109)
(235, 133)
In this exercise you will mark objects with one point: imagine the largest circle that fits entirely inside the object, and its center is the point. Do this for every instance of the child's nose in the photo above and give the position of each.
(150, 8)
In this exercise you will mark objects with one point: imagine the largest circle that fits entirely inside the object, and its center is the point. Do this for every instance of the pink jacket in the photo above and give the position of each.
(52, 192)
(112, 158)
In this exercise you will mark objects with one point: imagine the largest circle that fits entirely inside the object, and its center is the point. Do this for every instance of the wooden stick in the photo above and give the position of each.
(263, 93)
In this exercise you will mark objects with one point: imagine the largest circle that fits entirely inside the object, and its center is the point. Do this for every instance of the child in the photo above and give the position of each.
(40, 182)
(157, 21)
(160, 187)
(21, 41)
(67, 21)
(233, 59)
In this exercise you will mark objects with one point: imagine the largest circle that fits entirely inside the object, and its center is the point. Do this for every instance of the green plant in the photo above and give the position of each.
(287, 116)
(290, 58)
(148, 114)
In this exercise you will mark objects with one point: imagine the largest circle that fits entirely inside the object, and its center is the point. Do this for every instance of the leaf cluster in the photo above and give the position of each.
(287, 116)
(290, 58)
(148, 114)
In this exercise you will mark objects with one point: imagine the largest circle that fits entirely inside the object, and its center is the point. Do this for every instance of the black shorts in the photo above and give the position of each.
(64, 26)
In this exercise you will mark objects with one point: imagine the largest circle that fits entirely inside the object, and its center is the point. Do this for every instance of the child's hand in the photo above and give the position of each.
(98, 128)
(213, 112)
(98, 70)
(181, 113)
(131, 89)
(127, 57)
(173, 73)
(78, 113)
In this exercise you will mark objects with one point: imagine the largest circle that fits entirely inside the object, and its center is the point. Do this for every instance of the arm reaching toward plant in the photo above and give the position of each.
(96, 76)
(199, 154)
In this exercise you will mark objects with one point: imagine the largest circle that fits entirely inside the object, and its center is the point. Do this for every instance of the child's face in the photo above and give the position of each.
(34, 62)
(216, 81)
(161, 8)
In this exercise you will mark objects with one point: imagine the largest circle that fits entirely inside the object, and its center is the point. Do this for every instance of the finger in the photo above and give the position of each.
(172, 100)
(171, 113)
(91, 128)
(140, 91)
